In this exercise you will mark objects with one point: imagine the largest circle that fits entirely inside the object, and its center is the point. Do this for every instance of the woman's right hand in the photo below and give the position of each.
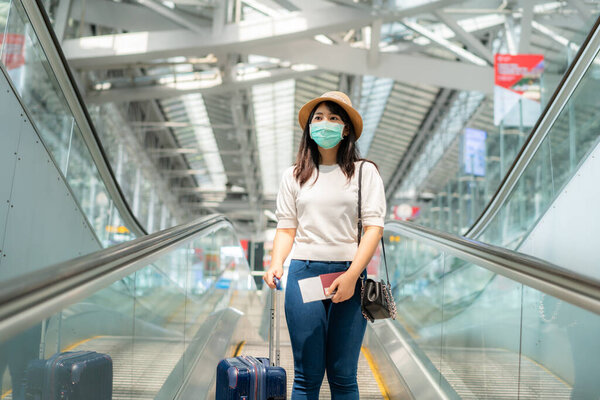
(276, 271)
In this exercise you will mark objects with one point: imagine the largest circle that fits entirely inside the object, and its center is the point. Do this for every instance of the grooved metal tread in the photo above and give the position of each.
(489, 373)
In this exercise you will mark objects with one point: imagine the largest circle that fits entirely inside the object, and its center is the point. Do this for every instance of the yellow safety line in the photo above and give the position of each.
(9, 391)
(174, 313)
(376, 374)
(549, 372)
(77, 344)
(238, 349)
(233, 296)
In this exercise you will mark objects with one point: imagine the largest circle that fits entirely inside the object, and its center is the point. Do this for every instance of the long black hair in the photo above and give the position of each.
(308, 157)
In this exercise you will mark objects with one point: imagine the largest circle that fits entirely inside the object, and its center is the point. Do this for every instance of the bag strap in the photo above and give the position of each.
(360, 225)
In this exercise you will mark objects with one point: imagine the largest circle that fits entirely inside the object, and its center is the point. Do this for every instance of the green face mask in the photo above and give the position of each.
(326, 134)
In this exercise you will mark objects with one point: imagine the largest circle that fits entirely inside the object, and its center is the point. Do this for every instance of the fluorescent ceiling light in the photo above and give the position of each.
(102, 86)
(323, 39)
(303, 67)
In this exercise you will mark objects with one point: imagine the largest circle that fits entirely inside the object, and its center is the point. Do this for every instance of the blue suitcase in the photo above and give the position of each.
(250, 378)
(72, 375)
(254, 378)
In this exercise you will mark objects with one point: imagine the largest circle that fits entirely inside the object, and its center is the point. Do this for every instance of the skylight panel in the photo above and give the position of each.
(373, 98)
(190, 109)
(273, 105)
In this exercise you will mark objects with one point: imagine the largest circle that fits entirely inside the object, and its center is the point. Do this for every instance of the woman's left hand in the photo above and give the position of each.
(343, 286)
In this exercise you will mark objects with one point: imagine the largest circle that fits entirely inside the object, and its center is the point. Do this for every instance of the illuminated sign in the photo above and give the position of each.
(474, 152)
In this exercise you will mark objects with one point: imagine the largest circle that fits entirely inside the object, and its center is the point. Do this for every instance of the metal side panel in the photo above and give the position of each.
(411, 366)
(44, 223)
(214, 344)
(12, 124)
(566, 235)
(393, 381)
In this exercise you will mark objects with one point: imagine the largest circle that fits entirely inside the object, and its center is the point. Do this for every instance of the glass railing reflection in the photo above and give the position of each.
(27, 65)
(148, 322)
(452, 190)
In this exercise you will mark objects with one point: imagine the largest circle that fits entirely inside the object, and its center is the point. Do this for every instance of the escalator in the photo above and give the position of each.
(476, 319)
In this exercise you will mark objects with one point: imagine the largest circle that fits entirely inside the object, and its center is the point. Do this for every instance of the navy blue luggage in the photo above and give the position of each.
(250, 378)
(72, 375)
(254, 378)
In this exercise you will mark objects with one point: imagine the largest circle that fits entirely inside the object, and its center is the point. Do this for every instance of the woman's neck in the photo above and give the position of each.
(328, 156)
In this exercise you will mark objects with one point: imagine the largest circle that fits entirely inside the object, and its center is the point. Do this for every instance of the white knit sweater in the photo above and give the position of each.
(325, 212)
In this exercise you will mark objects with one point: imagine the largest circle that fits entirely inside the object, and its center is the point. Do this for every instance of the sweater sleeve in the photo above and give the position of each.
(373, 197)
(286, 213)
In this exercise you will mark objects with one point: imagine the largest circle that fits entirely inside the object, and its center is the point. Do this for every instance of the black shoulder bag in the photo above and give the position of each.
(376, 301)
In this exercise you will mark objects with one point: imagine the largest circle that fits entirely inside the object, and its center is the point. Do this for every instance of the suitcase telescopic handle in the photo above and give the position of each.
(275, 326)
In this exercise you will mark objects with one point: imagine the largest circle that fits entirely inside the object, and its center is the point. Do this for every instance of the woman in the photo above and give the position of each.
(317, 208)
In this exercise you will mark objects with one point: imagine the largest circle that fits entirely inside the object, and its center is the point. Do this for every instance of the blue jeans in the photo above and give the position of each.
(325, 336)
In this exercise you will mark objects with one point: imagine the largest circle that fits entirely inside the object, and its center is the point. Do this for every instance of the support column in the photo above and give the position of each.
(62, 18)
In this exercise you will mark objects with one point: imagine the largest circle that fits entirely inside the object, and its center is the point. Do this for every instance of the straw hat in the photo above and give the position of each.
(339, 98)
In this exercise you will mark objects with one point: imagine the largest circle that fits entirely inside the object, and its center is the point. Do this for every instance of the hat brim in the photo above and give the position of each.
(355, 117)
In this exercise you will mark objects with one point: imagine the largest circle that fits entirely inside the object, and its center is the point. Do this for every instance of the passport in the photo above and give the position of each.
(313, 289)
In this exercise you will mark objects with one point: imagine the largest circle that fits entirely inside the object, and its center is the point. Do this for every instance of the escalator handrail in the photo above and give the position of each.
(58, 63)
(27, 299)
(551, 279)
(583, 59)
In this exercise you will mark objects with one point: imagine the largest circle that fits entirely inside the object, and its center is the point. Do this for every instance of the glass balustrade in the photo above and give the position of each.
(152, 323)
(486, 336)
(569, 143)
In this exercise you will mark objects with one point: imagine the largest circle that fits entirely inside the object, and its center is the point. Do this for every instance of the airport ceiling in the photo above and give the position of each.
(228, 77)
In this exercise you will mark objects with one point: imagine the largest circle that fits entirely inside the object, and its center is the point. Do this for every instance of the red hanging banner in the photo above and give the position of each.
(517, 89)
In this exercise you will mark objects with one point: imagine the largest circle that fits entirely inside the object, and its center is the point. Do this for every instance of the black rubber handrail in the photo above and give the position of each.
(27, 299)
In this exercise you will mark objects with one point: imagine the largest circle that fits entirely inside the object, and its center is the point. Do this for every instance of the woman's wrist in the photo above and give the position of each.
(275, 266)
(354, 273)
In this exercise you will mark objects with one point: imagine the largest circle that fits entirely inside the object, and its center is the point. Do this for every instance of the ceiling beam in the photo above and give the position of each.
(120, 16)
(396, 12)
(164, 91)
(171, 14)
(467, 38)
(114, 50)
(446, 44)
(400, 67)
